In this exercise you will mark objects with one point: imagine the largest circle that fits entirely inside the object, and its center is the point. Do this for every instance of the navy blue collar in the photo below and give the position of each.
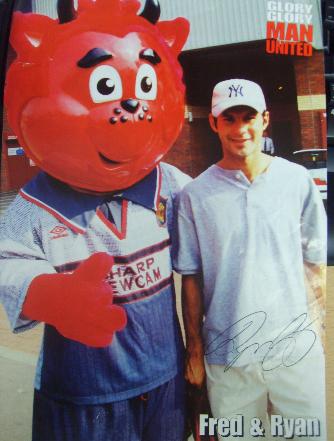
(146, 192)
(76, 209)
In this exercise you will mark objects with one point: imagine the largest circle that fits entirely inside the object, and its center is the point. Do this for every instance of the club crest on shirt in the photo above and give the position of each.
(162, 211)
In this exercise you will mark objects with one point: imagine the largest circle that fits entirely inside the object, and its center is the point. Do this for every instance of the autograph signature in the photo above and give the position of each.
(290, 346)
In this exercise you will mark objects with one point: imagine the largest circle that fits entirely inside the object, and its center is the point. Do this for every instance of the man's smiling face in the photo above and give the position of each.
(240, 130)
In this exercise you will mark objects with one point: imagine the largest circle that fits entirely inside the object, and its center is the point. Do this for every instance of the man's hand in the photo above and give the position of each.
(79, 305)
(195, 369)
(315, 278)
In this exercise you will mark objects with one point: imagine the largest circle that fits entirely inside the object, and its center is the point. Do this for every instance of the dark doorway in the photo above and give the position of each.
(282, 134)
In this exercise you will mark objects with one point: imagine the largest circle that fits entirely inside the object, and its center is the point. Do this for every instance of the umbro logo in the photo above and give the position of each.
(58, 232)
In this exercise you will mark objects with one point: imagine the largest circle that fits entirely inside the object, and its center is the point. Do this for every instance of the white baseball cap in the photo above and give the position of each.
(237, 92)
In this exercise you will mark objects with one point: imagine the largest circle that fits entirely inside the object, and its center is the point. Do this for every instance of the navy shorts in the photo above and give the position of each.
(158, 415)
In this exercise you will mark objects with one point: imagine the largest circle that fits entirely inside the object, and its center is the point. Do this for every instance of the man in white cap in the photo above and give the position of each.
(249, 229)
(267, 144)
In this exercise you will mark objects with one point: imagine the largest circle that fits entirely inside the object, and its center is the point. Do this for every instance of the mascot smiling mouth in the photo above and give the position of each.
(108, 161)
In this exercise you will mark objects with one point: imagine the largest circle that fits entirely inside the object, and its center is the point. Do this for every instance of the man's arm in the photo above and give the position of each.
(314, 241)
(192, 310)
(315, 276)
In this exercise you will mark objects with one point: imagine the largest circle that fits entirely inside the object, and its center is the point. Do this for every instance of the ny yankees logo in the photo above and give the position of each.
(237, 90)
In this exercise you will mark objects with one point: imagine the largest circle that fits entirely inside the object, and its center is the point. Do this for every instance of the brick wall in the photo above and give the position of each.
(310, 74)
(196, 148)
(310, 82)
(312, 123)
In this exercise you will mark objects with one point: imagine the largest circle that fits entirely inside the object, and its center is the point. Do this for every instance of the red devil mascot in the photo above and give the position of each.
(96, 99)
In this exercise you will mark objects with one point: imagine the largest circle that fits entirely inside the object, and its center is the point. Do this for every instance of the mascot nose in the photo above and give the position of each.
(130, 105)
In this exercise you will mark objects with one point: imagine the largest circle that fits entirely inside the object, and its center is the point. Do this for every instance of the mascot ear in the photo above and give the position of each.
(175, 33)
(28, 31)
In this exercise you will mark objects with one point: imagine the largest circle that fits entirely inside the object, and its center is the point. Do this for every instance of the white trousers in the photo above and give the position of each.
(270, 396)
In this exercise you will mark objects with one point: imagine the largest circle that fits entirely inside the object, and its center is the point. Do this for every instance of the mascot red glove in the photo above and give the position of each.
(79, 305)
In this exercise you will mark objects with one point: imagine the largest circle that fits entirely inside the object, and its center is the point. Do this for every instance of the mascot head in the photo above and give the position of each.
(96, 97)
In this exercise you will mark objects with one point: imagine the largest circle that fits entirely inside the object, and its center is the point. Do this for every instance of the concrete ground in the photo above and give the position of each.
(18, 357)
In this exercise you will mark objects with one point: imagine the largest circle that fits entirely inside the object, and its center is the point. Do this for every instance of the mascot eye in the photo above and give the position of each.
(105, 84)
(146, 83)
